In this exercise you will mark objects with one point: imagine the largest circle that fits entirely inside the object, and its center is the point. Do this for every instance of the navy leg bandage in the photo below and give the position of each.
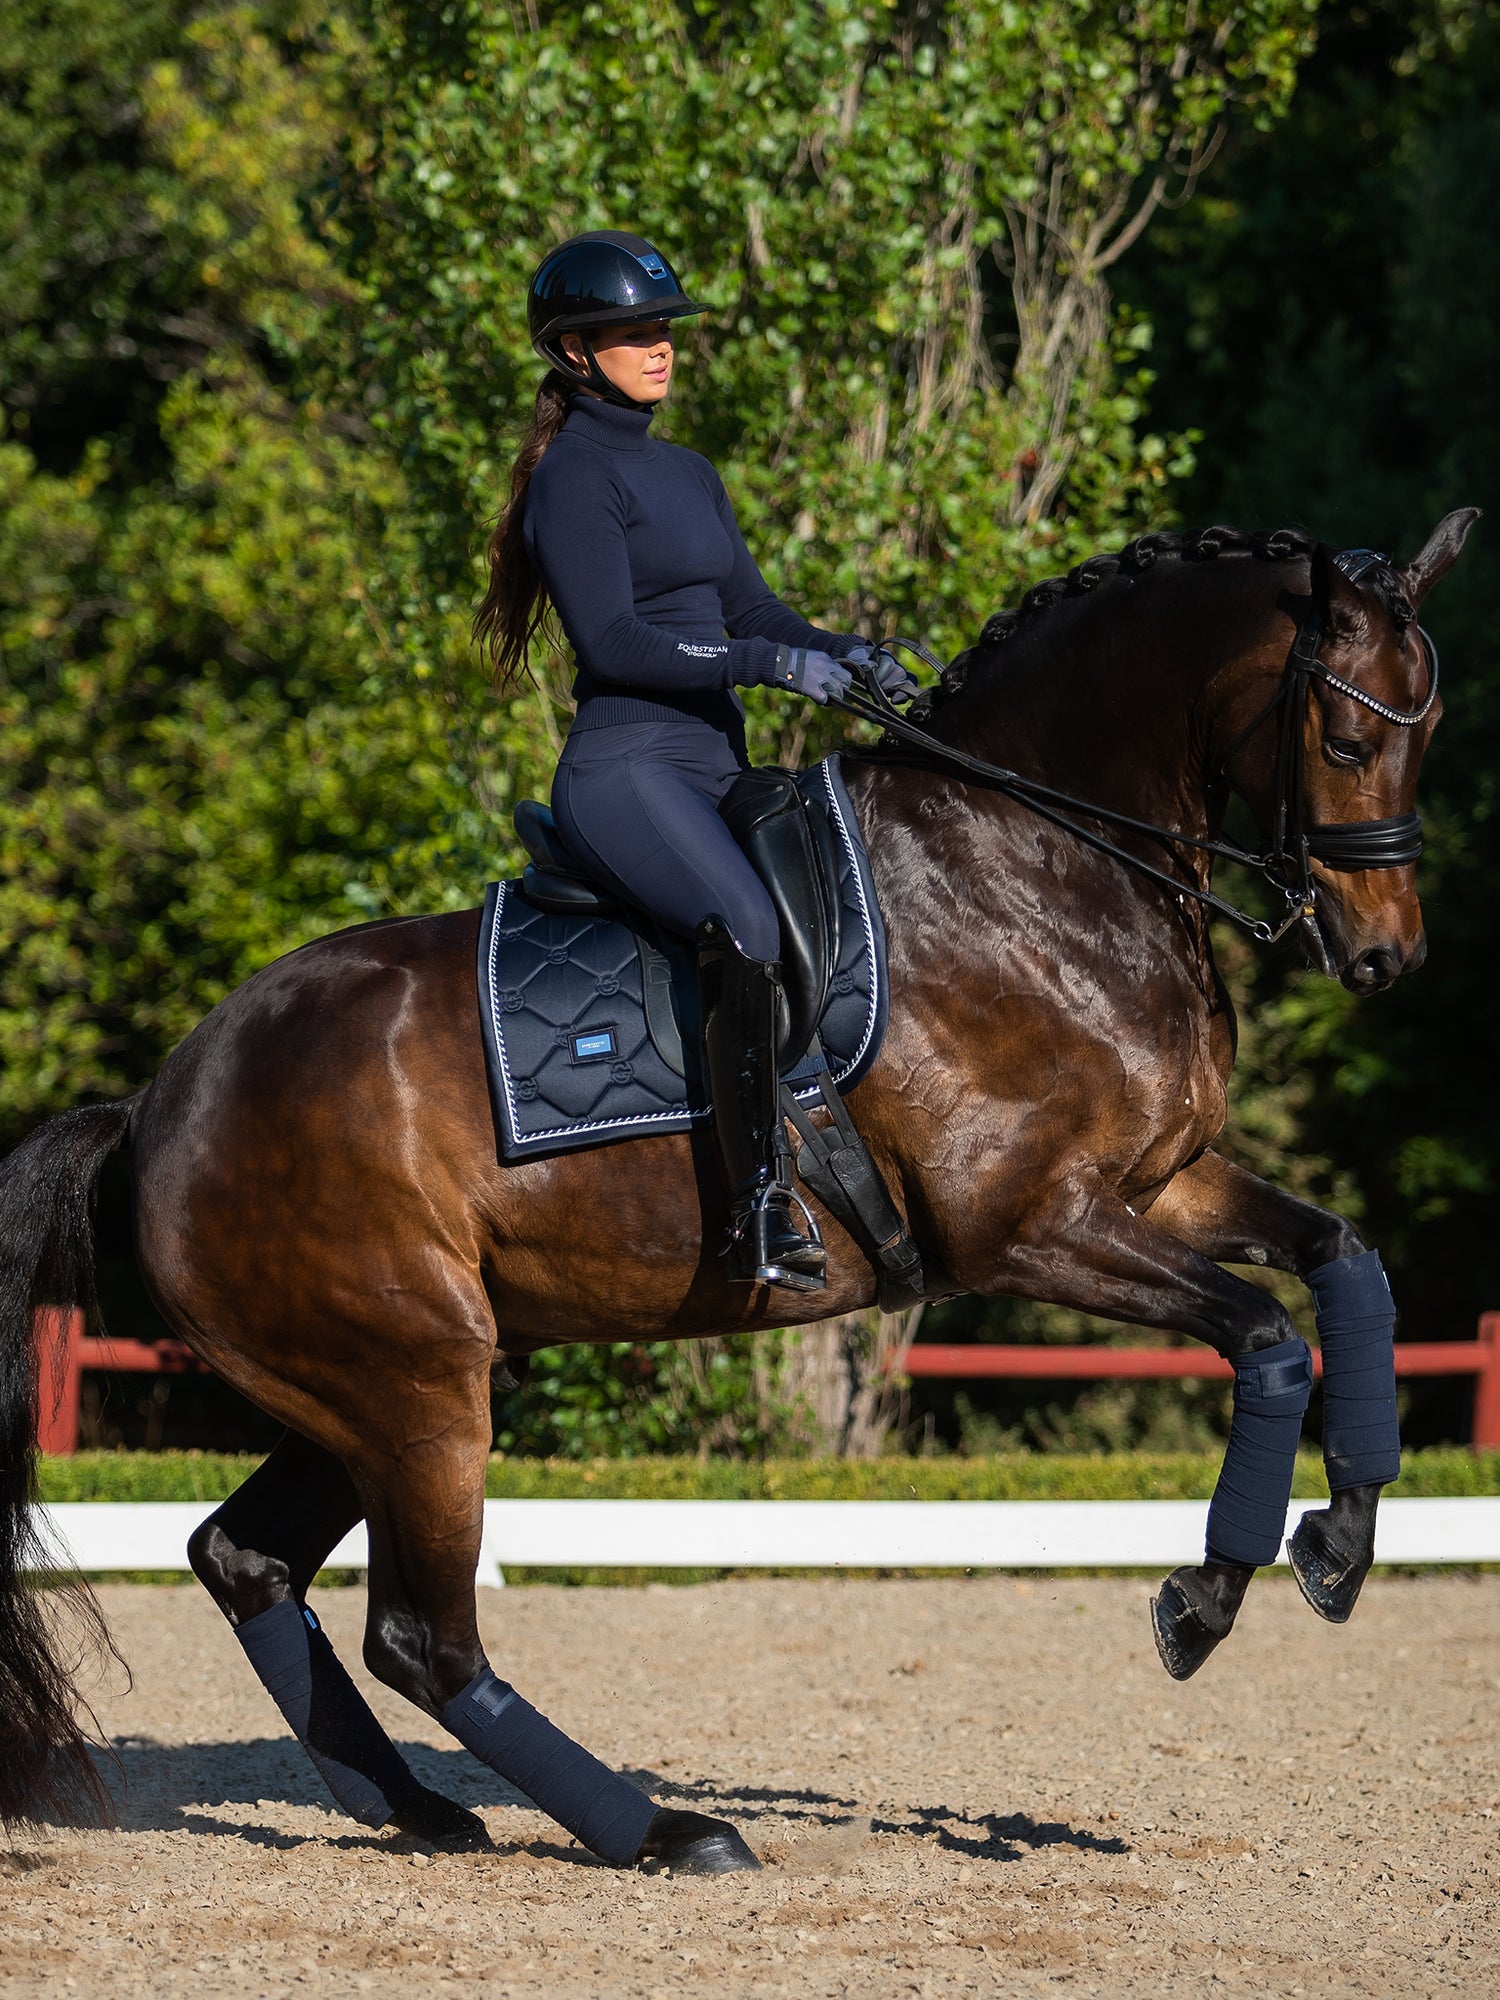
(1356, 1330)
(597, 1806)
(327, 1713)
(1247, 1516)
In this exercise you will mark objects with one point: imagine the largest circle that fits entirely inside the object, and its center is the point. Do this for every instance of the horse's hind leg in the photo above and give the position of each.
(256, 1556)
(425, 1511)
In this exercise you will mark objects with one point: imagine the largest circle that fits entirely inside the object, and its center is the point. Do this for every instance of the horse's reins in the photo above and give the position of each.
(1347, 846)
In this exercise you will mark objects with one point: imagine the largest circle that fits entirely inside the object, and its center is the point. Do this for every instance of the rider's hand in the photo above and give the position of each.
(893, 680)
(817, 675)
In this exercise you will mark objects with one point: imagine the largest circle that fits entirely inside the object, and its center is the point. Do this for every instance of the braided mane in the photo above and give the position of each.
(1196, 545)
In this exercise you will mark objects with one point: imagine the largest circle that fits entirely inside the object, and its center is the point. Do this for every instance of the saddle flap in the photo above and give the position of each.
(670, 996)
(826, 845)
(768, 816)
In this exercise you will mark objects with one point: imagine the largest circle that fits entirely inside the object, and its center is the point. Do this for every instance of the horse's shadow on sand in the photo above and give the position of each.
(161, 1788)
(987, 1836)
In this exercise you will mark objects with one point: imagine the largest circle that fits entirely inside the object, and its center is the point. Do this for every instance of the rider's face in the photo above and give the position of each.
(636, 359)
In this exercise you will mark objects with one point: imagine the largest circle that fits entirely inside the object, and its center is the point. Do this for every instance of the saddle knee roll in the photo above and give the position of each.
(1247, 1516)
(1356, 1318)
(789, 844)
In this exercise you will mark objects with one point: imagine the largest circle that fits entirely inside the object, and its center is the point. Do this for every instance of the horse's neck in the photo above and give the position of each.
(1112, 709)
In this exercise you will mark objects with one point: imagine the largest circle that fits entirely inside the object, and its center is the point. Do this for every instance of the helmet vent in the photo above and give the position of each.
(652, 265)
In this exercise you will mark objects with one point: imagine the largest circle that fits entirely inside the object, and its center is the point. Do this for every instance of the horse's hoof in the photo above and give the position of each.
(1330, 1580)
(441, 1823)
(1187, 1623)
(691, 1843)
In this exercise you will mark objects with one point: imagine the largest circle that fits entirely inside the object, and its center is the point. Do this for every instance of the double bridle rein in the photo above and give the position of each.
(1346, 846)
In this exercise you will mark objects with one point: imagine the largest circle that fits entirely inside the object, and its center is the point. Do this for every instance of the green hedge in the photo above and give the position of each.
(179, 1475)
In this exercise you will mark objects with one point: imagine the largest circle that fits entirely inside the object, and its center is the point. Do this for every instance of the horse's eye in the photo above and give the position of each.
(1344, 750)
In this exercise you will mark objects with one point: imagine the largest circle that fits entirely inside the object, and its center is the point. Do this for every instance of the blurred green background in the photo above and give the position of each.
(992, 287)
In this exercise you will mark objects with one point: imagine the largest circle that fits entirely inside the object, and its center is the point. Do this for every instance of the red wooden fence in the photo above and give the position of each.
(1479, 1358)
(66, 1350)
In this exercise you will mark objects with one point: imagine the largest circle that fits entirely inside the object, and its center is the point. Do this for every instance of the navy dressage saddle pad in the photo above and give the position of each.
(590, 1027)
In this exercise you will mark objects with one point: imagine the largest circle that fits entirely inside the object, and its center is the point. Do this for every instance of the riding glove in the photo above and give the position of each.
(817, 675)
(893, 680)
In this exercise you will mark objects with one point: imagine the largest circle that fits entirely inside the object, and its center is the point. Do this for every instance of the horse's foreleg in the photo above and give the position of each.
(1228, 1213)
(257, 1555)
(426, 1512)
(1235, 1217)
(1090, 1251)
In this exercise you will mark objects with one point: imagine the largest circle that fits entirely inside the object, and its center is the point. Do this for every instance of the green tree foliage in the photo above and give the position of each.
(901, 217)
(95, 294)
(212, 746)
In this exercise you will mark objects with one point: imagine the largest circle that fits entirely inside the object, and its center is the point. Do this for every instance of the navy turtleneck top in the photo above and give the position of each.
(637, 544)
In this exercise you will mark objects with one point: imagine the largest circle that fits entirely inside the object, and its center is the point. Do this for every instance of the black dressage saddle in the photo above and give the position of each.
(787, 839)
(786, 832)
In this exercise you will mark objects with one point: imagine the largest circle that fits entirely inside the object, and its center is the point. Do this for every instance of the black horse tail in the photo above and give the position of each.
(46, 1259)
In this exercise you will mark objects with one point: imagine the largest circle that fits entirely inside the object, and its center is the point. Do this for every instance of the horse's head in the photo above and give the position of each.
(1337, 759)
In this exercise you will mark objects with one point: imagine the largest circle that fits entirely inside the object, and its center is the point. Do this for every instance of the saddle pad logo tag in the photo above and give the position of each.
(594, 1046)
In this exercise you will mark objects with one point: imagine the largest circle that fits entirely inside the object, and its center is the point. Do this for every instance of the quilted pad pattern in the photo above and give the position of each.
(569, 1053)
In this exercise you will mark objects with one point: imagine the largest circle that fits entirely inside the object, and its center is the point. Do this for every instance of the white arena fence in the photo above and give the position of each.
(96, 1536)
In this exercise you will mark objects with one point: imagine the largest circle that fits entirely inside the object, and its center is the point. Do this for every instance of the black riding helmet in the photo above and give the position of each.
(604, 278)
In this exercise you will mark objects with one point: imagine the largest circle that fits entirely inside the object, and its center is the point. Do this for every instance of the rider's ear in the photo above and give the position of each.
(1437, 555)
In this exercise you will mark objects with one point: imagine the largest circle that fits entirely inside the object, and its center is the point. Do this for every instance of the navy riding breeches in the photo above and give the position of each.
(637, 803)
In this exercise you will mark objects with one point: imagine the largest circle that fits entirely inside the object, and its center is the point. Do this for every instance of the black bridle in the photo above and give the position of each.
(1296, 843)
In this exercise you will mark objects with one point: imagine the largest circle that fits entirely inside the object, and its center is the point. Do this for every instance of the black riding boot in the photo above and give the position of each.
(739, 1000)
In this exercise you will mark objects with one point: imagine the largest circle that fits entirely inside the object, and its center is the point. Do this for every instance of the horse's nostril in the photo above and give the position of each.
(1377, 968)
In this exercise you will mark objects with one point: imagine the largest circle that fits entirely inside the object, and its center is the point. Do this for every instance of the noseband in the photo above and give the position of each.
(1346, 846)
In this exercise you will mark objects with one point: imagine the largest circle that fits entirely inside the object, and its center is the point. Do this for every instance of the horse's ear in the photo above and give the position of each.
(1438, 554)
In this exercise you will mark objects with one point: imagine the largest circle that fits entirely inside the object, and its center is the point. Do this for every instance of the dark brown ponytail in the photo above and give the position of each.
(516, 602)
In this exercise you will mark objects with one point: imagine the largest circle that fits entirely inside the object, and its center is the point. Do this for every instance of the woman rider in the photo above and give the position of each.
(634, 542)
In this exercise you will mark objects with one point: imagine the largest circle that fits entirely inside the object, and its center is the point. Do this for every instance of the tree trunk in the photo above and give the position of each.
(841, 1375)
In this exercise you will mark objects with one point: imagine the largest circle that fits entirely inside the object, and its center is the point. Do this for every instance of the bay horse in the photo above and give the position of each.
(320, 1215)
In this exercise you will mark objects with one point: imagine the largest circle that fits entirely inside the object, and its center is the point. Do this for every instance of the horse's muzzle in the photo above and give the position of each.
(1381, 966)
